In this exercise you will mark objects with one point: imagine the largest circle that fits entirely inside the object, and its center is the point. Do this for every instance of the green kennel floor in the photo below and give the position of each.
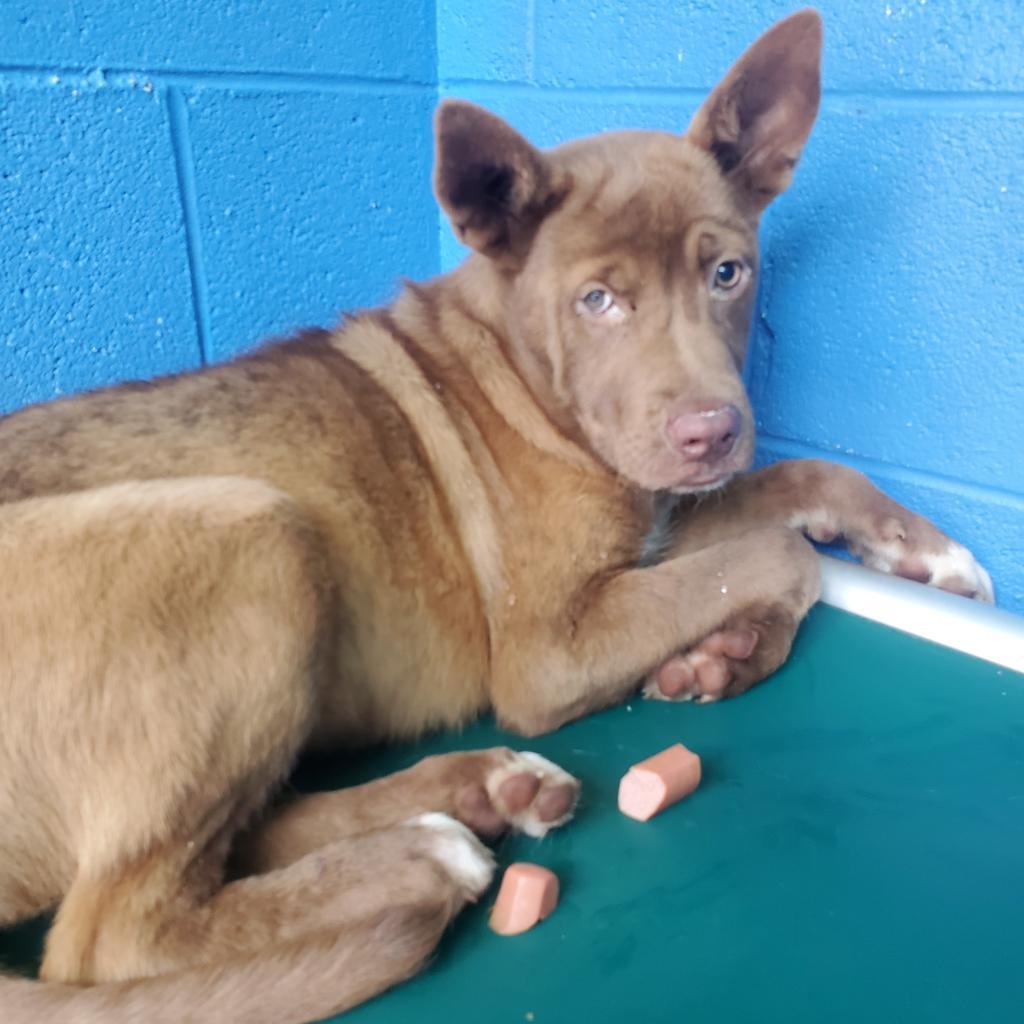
(855, 854)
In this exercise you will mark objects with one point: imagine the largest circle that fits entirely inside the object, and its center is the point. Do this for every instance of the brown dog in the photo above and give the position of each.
(359, 535)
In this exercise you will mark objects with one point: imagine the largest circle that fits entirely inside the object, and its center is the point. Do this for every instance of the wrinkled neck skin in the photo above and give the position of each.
(487, 293)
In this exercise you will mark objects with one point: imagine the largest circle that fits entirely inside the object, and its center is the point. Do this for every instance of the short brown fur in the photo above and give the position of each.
(452, 505)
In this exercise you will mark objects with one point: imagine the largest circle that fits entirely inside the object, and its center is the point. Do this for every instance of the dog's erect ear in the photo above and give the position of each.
(494, 186)
(757, 120)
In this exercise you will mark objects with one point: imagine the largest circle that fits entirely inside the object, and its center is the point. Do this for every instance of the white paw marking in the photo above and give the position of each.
(955, 563)
(460, 853)
(817, 523)
(548, 772)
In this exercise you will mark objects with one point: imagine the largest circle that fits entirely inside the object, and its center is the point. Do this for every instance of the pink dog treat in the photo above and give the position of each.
(658, 782)
(527, 895)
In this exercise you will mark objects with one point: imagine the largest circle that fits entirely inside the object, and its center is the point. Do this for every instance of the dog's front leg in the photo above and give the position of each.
(623, 625)
(829, 502)
(826, 502)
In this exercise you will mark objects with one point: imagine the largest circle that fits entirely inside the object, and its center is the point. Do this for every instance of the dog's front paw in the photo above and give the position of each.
(706, 671)
(881, 532)
(905, 544)
(727, 662)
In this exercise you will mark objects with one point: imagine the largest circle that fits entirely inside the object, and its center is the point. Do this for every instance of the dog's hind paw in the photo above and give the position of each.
(532, 794)
(469, 863)
(496, 789)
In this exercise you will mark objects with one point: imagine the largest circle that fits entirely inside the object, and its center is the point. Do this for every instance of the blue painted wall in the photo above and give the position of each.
(180, 179)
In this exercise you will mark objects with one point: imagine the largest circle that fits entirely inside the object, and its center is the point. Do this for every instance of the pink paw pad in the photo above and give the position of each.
(531, 794)
(704, 671)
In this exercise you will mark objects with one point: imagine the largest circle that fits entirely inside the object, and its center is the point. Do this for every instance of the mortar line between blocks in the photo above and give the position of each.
(531, 39)
(184, 164)
(84, 76)
(839, 100)
(788, 448)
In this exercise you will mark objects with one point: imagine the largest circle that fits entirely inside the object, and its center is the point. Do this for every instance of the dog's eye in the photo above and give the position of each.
(597, 301)
(728, 274)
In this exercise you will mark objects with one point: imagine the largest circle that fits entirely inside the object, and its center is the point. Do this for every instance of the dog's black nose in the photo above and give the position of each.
(705, 435)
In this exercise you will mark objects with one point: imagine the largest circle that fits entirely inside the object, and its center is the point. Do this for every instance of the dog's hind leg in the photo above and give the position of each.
(160, 645)
(157, 917)
(487, 790)
(314, 939)
(195, 612)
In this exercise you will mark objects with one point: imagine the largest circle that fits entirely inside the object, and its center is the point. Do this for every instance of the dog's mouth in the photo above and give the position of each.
(701, 476)
(709, 480)
(691, 478)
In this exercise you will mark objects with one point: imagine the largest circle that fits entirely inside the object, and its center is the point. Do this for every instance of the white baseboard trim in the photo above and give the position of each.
(969, 626)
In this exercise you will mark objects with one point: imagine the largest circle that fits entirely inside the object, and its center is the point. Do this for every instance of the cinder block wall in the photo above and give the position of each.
(890, 324)
(180, 179)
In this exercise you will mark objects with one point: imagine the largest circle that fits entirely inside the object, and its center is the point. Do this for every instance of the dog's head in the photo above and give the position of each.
(629, 260)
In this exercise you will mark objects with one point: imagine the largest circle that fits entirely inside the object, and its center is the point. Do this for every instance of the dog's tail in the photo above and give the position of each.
(292, 983)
